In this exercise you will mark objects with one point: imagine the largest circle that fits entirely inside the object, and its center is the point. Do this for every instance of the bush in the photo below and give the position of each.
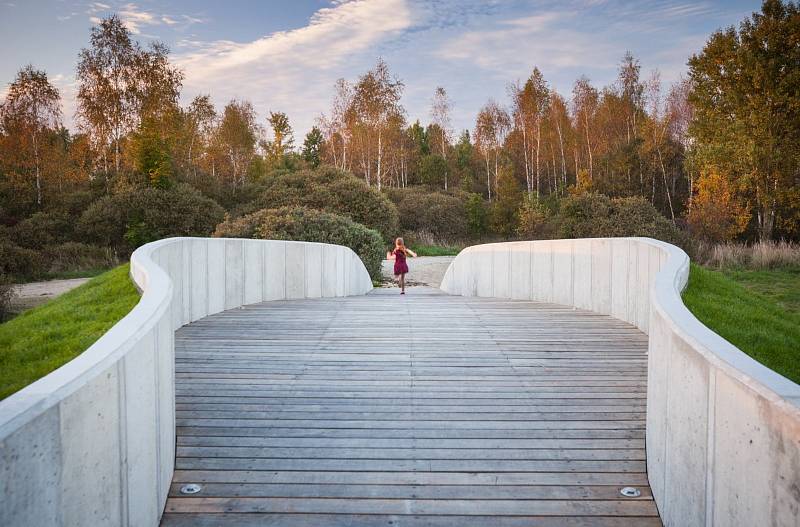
(477, 215)
(20, 263)
(44, 229)
(598, 216)
(533, 220)
(444, 216)
(329, 190)
(132, 218)
(303, 224)
(78, 257)
(7, 294)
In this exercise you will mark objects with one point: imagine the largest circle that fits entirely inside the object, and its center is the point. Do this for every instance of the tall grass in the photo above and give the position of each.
(759, 256)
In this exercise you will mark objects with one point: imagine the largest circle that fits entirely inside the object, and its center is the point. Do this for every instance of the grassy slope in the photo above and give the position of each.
(42, 339)
(757, 311)
(435, 250)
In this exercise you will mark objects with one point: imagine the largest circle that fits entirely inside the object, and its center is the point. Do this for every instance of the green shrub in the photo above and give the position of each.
(329, 190)
(132, 218)
(304, 224)
(7, 294)
(432, 169)
(477, 215)
(598, 216)
(444, 216)
(20, 263)
(533, 220)
(44, 229)
(78, 257)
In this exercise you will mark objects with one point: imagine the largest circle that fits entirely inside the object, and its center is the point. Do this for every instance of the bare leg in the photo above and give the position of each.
(403, 283)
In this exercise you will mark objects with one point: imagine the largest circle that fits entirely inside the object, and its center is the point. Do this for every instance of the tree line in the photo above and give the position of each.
(716, 153)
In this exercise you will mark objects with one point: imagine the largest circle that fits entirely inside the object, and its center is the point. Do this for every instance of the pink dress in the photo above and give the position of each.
(400, 265)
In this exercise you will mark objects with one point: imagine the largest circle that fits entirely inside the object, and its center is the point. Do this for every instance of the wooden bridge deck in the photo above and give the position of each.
(423, 409)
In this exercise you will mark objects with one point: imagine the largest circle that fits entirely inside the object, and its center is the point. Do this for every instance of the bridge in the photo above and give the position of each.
(266, 383)
(410, 410)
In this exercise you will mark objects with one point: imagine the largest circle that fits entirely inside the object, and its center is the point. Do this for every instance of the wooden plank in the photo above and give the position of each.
(512, 507)
(423, 410)
(405, 520)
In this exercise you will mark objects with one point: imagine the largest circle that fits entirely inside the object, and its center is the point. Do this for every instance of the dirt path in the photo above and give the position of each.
(425, 270)
(35, 293)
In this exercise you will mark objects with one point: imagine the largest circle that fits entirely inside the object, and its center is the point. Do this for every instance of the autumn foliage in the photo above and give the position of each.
(716, 214)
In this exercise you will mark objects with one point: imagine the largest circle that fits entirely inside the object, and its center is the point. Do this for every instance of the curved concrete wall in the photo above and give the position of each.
(93, 443)
(723, 431)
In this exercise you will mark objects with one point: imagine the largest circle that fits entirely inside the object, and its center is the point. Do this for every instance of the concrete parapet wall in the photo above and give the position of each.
(93, 443)
(723, 431)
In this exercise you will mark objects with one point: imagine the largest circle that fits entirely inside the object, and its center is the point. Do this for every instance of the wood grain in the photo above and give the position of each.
(423, 409)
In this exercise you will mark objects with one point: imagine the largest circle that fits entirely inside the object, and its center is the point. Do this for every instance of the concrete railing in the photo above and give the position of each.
(723, 431)
(93, 443)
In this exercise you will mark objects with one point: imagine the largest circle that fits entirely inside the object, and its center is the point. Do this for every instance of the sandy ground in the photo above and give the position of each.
(35, 293)
(425, 270)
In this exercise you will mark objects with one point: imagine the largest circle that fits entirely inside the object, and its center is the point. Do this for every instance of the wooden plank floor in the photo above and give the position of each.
(423, 409)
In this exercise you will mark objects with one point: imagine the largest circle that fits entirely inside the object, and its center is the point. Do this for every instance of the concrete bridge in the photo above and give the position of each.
(266, 383)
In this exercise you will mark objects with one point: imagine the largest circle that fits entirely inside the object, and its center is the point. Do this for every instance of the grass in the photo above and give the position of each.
(82, 273)
(436, 250)
(40, 340)
(757, 311)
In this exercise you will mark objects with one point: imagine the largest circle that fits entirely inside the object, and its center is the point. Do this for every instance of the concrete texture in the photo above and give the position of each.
(723, 431)
(93, 443)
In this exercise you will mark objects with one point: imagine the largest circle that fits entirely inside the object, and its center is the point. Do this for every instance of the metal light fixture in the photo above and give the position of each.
(191, 488)
(630, 492)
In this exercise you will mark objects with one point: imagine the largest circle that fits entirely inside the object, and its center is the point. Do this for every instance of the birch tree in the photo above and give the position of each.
(491, 127)
(584, 101)
(31, 109)
(440, 116)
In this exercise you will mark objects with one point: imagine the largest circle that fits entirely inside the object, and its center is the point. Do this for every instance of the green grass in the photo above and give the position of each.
(84, 273)
(780, 285)
(40, 340)
(435, 250)
(754, 310)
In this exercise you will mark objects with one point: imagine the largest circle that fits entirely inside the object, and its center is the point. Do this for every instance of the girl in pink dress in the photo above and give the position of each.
(399, 254)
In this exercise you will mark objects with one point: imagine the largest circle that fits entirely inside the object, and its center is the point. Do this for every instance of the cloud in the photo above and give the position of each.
(137, 18)
(295, 69)
(513, 45)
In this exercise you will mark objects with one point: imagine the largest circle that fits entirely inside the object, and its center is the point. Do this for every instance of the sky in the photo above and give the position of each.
(286, 55)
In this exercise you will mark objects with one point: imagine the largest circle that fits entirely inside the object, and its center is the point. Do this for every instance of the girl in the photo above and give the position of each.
(400, 266)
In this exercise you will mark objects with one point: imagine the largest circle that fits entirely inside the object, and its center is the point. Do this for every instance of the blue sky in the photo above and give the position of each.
(286, 56)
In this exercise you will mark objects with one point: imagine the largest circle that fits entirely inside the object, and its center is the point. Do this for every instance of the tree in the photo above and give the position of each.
(584, 101)
(746, 110)
(236, 135)
(658, 125)
(282, 136)
(152, 154)
(31, 108)
(491, 127)
(312, 147)
(716, 214)
(119, 84)
(375, 104)
(507, 202)
(200, 118)
(335, 127)
(432, 170)
(440, 116)
(476, 215)
(531, 108)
